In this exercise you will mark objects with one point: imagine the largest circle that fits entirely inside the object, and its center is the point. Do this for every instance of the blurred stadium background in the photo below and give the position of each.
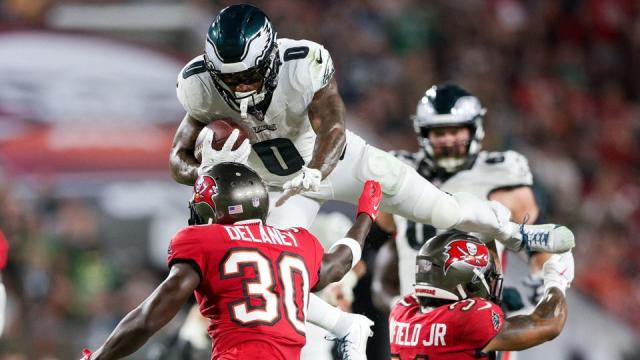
(88, 109)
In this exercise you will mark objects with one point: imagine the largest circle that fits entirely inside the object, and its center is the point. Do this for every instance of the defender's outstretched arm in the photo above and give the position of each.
(155, 312)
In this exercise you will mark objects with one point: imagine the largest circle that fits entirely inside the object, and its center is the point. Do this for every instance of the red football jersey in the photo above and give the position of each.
(449, 332)
(255, 285)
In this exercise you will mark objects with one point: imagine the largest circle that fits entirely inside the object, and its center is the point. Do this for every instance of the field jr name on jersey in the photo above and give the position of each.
(403, 334)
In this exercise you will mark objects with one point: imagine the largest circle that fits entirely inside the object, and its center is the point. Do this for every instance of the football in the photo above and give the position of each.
(221, 128)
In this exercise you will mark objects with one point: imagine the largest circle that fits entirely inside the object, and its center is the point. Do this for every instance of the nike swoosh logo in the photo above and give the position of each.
(564, 271)
(319, 61)
(375, 207)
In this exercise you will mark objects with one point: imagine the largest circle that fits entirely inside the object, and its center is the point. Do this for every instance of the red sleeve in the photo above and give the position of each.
(4, 251)
(406, 302)
(481, 323)
(314, 248)
(186, 247)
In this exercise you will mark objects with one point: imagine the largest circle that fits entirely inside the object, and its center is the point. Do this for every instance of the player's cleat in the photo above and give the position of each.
(550, 238)
(353, 346)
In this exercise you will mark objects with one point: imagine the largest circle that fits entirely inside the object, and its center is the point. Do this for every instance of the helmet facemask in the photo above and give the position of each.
(266, 73)
(452, 156)
(449, 106)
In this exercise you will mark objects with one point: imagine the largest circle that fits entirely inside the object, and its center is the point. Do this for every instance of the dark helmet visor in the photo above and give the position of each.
(247, 77)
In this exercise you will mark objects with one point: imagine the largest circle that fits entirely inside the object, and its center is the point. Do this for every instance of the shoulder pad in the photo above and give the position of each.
(509, 166)
(193, 67)
(192, 90)
(307, 64)
(408, 300)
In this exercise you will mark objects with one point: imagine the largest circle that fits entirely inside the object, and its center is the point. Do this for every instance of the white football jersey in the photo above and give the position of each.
(490, 171)
(282, 138)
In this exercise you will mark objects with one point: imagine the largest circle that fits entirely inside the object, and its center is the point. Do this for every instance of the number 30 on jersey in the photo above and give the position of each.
(263, 287)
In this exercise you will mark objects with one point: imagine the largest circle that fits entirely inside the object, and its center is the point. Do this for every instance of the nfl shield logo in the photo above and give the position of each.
(255, 201)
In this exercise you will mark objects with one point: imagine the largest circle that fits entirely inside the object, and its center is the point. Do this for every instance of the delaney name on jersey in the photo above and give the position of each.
(261, 234)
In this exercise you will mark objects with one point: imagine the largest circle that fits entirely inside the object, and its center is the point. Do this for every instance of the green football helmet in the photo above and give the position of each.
(241, 48)
(227, 193)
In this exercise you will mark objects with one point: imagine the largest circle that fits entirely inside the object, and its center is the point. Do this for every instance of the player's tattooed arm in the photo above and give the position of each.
(327, 117)
(337, 264)
(155, 312)
(183, 164)
(524, 331)
(385, 280)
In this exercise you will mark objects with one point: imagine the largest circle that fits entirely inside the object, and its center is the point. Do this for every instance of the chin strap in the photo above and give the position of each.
(244, 105)
(252, 97)
(194, 218)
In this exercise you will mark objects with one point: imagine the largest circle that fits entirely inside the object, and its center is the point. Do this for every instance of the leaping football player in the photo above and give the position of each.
(282, 92)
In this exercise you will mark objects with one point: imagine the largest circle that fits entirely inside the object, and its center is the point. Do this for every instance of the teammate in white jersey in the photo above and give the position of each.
(450, 157)
(283, 93)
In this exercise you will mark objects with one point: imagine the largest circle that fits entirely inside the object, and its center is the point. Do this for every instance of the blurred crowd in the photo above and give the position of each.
(560, 80)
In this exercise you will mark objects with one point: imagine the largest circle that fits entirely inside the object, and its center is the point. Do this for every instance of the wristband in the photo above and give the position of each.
(556, 283)
(356, 250)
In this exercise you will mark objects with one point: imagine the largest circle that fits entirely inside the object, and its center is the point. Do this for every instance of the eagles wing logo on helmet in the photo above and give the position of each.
(466, 251)
(241, 48)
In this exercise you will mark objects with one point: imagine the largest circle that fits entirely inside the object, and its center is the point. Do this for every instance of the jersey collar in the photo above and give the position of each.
(249, 221)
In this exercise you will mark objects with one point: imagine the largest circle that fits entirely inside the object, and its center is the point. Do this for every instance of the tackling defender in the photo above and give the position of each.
(250, 279)
(282, 92)
(453, 312)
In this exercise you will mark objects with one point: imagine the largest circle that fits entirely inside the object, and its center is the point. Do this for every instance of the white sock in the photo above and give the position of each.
(328, 317)
(514, 241)
(486, 217)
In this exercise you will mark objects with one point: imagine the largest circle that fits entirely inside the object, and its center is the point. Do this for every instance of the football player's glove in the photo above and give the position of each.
(370, 199)
(308, 180)
(558, 271)
(211, 157)
(86, 354)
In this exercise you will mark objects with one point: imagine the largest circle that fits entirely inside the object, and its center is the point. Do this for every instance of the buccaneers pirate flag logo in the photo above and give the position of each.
(466, 251)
